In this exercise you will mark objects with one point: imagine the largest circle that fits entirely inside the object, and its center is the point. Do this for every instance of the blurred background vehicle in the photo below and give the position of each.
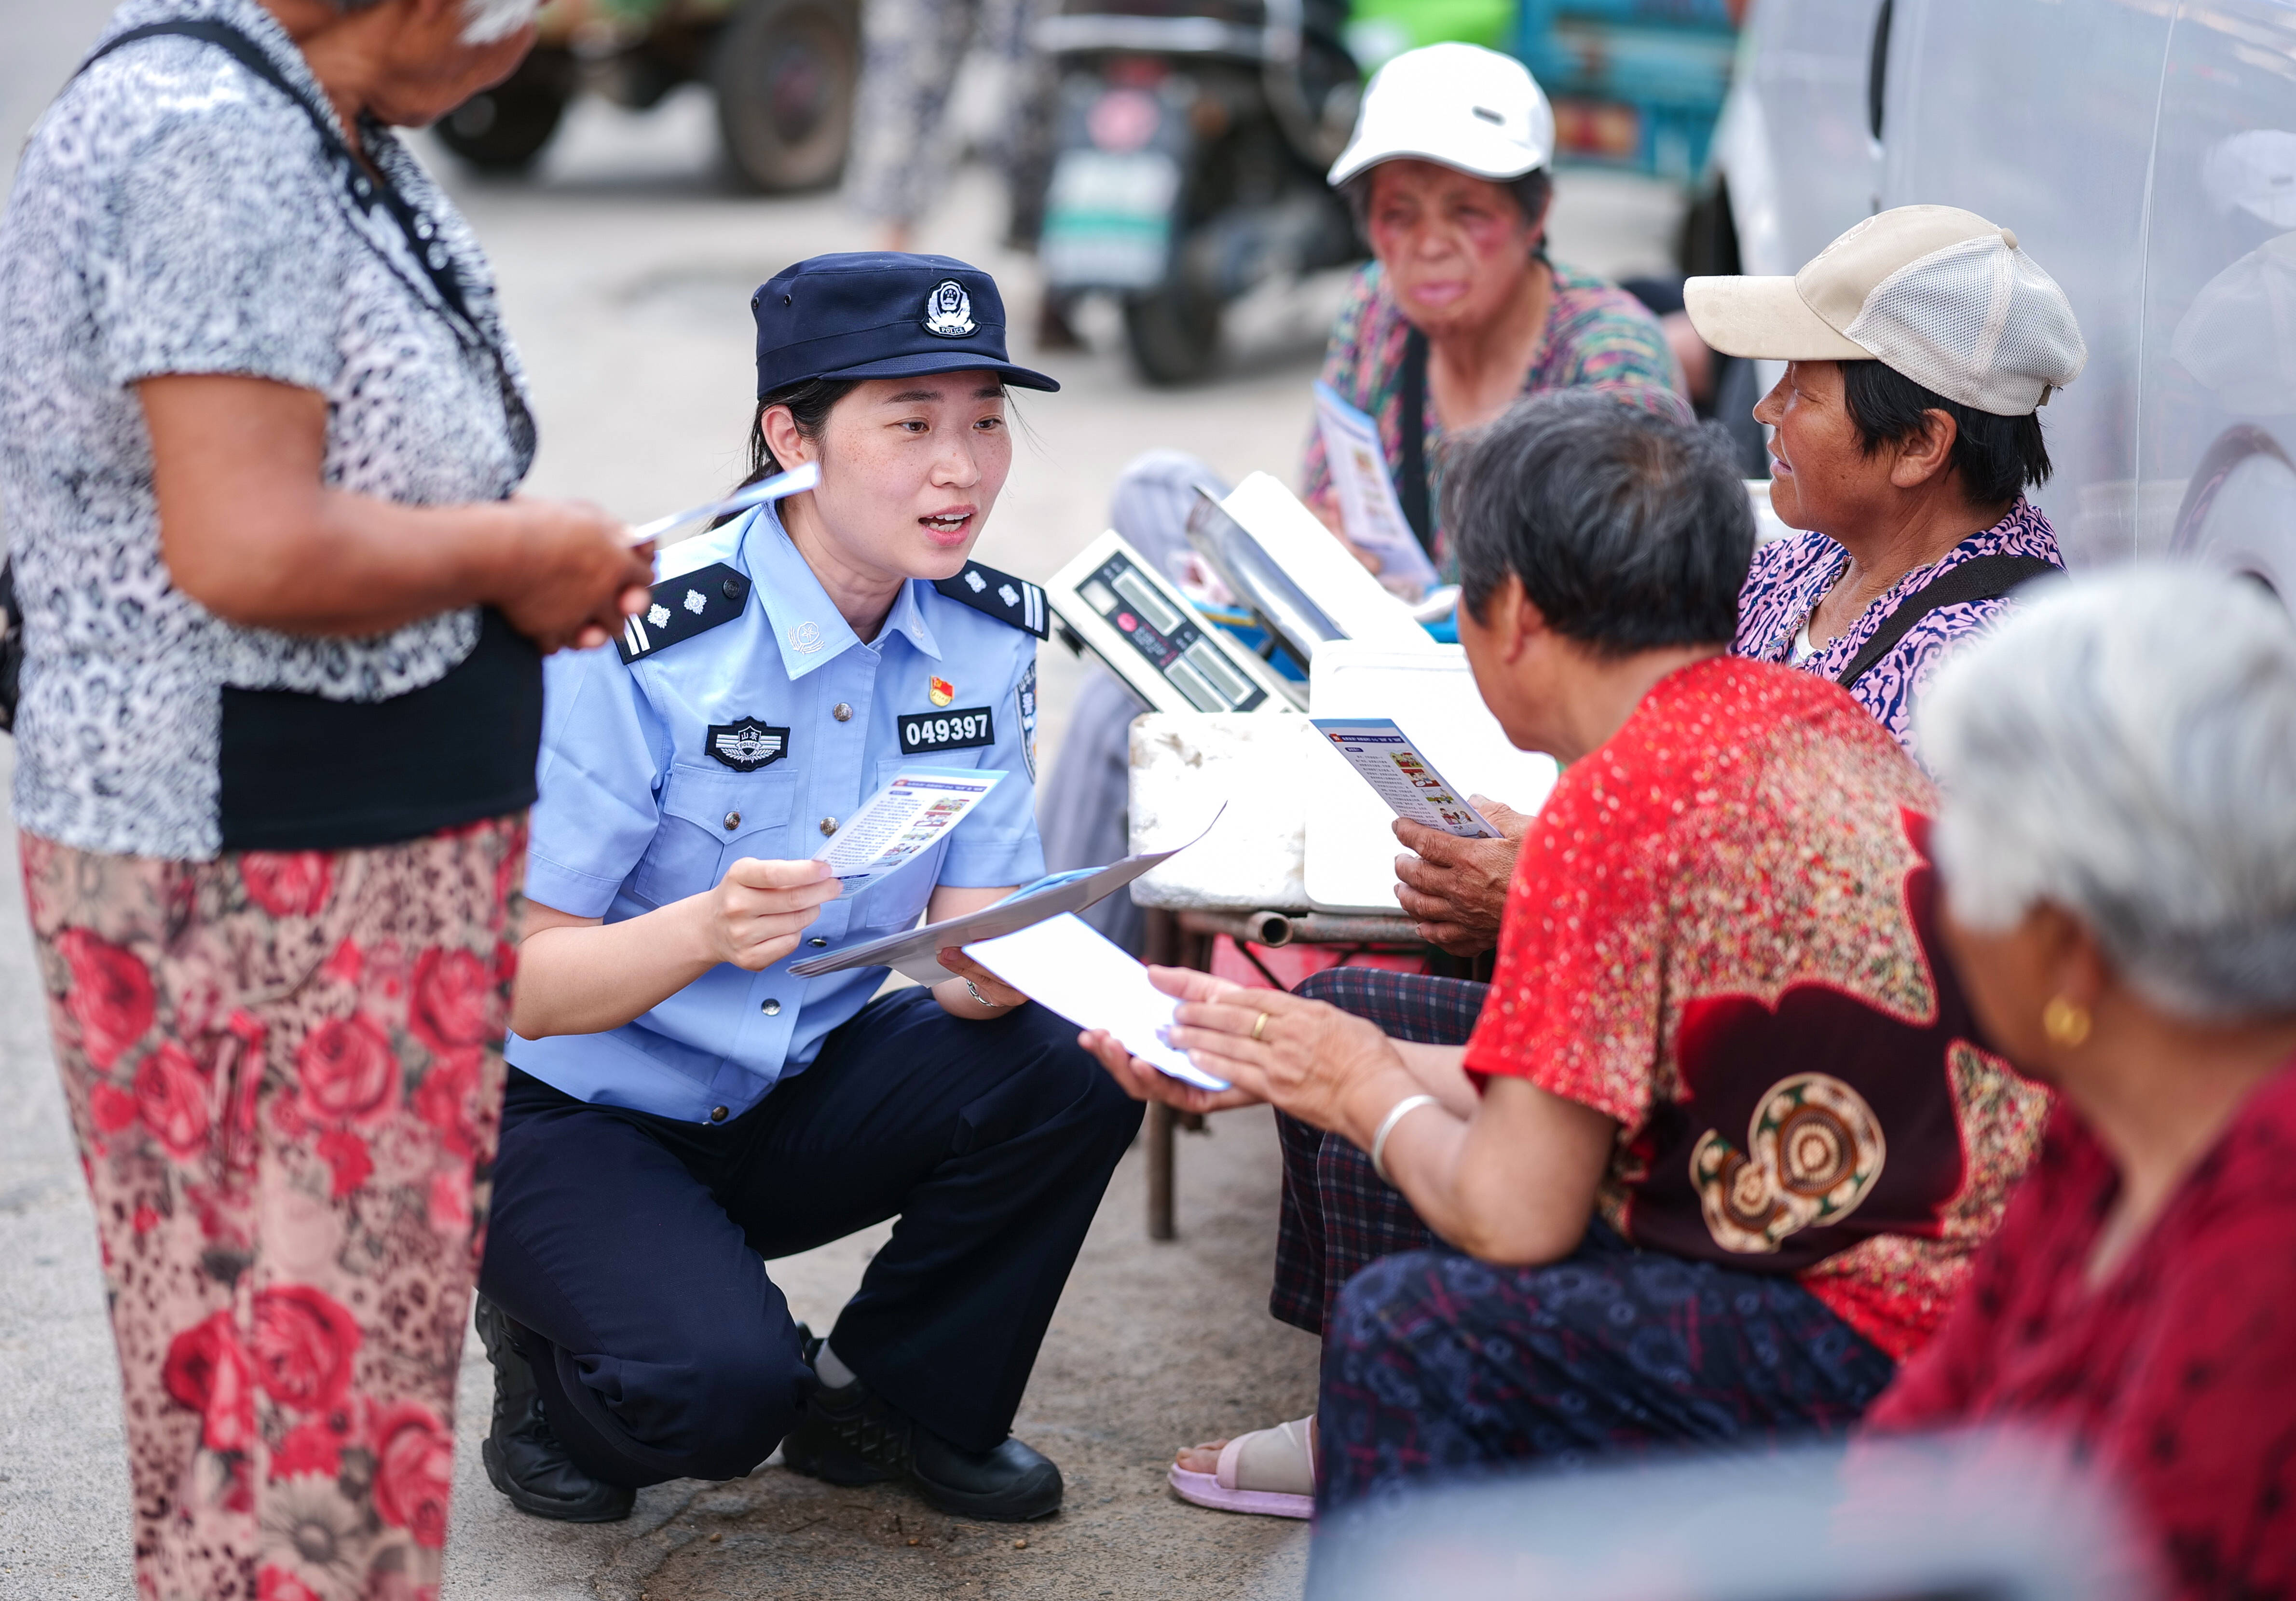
(783, 73)
(2143, 151)
(1191, 139)
(1636, 84)
(1192, 136)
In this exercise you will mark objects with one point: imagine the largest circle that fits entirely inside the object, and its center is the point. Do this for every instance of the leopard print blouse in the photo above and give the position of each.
(174, 214)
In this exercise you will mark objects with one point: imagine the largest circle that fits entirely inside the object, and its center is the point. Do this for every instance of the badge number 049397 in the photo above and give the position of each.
(969, 728)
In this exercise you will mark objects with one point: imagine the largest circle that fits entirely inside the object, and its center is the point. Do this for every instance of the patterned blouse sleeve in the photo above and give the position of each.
(218, 252)
(1574, 1004)
(1622, 349)
(1343, 362)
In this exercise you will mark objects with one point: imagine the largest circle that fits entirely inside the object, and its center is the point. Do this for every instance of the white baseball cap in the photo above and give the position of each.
(1460, 105)
(1936, 293)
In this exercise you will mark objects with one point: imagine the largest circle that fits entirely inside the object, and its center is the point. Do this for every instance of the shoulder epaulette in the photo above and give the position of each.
(689, 604)
(1000, 595)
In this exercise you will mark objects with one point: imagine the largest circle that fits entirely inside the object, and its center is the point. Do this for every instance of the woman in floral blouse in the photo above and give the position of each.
(1448, 176)
(261, 433)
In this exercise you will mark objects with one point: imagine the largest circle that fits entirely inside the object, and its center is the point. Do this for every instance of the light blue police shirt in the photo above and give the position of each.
(637, 810)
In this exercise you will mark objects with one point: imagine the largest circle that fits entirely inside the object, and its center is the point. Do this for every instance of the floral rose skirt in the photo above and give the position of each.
(285, 1073)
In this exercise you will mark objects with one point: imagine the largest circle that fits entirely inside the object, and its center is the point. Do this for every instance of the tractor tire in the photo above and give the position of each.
(785, 72)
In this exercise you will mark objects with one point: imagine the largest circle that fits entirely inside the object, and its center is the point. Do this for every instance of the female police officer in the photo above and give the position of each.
(681, 1107)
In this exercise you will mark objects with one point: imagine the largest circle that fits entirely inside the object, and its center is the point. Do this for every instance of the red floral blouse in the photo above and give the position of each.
(2177, 1375)
(1719, 935)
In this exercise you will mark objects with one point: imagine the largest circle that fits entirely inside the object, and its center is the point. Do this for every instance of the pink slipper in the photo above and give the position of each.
(1271, 1472)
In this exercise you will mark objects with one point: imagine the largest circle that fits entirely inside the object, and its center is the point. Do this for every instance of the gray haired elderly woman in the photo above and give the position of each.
(2119, 848)
(260, 436)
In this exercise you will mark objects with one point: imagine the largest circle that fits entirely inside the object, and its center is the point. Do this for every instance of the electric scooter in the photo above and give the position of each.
(1191, 142)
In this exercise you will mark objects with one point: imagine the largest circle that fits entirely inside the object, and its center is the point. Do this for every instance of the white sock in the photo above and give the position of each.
(833, 1373)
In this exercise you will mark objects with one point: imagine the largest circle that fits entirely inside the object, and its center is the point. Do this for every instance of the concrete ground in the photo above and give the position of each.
(626, 274)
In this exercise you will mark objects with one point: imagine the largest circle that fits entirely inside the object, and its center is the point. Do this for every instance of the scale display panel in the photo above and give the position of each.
(1147, 631)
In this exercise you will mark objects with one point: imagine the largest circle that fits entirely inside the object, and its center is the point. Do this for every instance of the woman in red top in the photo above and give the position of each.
(1718, 1150)
(2120, 843)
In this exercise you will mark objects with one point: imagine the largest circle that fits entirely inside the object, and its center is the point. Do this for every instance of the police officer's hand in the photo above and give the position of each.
(755, 915)
(995, 993)
(570, 579)
(1456, 889)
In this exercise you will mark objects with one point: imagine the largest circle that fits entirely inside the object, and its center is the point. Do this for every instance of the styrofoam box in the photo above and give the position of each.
(1186, 766)
(1349, 857)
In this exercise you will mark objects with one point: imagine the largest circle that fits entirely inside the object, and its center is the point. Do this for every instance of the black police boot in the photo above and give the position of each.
(525, 1460)
(851, 1436)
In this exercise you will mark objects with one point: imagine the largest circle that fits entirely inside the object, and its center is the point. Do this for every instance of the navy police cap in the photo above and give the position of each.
(881, 315)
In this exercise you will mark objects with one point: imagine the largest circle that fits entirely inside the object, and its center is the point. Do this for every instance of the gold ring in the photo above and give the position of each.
(1259, 1027)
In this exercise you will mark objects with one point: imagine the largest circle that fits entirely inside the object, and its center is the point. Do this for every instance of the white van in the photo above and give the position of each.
(2143, 151)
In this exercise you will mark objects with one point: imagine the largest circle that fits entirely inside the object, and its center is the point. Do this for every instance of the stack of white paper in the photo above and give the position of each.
(1067, 965)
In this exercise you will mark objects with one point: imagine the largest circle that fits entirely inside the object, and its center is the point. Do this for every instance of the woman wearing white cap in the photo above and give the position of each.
(1919, 349)
(1460, 312)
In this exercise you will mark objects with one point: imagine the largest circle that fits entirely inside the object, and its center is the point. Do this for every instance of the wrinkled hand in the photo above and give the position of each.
(754, 916)
(575, 580)
(1309, 1058)
(1456, 889)
(1142, 1082)
(992, 989)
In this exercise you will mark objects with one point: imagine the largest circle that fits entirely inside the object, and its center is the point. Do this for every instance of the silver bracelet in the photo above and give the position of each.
(993, 1005)
(1408, 1103)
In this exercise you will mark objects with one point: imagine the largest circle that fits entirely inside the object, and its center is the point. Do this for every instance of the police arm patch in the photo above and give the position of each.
(1024, 697)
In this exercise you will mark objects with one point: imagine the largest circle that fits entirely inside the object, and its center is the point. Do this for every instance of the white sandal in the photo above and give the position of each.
(1271, 1472)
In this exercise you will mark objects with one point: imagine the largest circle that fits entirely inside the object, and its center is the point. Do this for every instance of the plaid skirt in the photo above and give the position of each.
(285, 1073)
(1339, 1216)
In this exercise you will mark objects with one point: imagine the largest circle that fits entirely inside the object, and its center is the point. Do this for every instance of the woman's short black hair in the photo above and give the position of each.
(1997, 457)
(1532, 192)
(1629, 531)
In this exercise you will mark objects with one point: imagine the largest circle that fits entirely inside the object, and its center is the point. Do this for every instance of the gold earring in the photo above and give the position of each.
(2065, 1022)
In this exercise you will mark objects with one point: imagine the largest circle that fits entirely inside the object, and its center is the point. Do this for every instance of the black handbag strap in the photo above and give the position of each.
(1982, 578)
(1411, 481)
(366, 186)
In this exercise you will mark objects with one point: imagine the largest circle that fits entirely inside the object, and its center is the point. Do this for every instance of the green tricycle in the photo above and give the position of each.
(784, 73)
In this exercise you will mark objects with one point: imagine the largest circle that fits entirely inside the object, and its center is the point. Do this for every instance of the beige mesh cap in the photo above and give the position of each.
(1938, 293)
(1460, 105)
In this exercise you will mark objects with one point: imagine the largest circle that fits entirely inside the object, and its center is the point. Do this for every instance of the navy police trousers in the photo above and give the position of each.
(631, 1248)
